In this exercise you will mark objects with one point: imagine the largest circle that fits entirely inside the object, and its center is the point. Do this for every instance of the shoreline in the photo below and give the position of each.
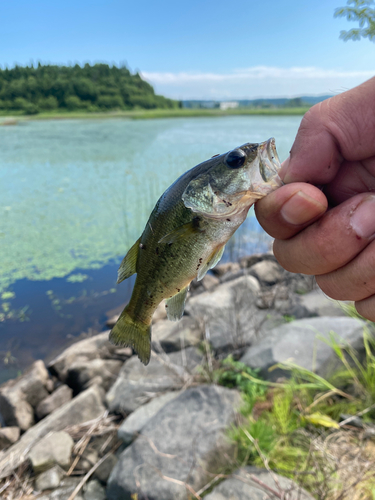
(14, 119)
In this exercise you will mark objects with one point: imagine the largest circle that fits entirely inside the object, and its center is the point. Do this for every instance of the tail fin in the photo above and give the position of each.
(129, 332)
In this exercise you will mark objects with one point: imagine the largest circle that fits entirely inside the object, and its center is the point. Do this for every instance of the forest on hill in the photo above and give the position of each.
(100, 87)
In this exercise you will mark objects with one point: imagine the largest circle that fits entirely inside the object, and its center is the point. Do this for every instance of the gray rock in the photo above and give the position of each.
(173, 336)
(210, 281)
(267, 272)
(53, 449)
(247, 489)
(49, 479)
(250, 260)
(316, 303)
(232, 275)
(88, 458)
(86, 406)
(160, 313)
(15, 410)
(298, 340)
(94, 491)
(63, 492)
(229, 314)
(135, 422)
(105, 468)
(81, 374)
(60, 396)
(94, 347)
(8, 436)
(183, 441)
(137, 383)
(19, 397)
(226, 267)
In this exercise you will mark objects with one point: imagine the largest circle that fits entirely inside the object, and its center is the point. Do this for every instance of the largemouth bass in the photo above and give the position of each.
(186, 234)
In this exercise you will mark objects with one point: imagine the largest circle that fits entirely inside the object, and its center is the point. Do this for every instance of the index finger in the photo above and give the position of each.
(340, 127)
(286, 211)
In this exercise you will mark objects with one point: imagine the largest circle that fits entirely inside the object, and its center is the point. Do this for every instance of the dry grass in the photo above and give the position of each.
(19, 485)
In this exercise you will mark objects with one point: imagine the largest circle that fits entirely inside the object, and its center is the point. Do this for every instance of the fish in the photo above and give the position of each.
(186, 233)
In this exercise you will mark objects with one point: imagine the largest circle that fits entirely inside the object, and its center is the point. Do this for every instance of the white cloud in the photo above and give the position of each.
(259, 81)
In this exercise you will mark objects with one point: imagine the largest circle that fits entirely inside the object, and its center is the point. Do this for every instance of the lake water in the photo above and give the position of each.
(75, 195)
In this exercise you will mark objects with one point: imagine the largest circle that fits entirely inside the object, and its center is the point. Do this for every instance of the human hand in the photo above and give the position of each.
(334, 149)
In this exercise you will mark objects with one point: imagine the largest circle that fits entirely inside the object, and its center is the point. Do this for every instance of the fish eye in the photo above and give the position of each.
(235, 158)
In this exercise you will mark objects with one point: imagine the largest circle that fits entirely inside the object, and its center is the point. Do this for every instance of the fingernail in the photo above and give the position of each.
(363, 218)
(301, 208)
(284, 168)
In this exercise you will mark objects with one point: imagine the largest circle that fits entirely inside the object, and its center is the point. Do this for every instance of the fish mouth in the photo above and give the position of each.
(269, 162)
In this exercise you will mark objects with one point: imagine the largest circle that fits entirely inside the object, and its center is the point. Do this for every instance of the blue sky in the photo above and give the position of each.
(195, 49)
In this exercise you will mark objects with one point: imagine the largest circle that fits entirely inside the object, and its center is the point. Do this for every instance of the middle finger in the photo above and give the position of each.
(331, 242)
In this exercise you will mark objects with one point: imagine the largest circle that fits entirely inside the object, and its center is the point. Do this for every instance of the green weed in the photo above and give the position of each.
(293, 427)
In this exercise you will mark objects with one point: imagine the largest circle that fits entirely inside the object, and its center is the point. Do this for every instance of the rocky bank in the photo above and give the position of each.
(95, 423)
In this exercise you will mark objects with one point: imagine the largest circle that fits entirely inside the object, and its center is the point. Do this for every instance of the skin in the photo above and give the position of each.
(323, 219)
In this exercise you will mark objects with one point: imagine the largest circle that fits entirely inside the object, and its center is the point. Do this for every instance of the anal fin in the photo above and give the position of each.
(128, 265)
(175, 305)
(211, 262)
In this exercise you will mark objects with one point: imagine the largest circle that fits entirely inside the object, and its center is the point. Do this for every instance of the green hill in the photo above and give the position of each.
(30, 90)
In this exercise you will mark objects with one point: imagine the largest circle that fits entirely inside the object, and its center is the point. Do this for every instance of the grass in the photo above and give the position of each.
(294, 428)
(142, 114)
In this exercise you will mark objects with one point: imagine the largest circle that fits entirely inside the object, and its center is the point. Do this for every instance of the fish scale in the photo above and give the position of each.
(186, 234)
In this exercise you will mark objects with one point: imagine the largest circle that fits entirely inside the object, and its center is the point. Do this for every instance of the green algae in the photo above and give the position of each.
(75, 195)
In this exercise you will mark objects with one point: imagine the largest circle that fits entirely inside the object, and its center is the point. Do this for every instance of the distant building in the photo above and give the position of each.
(228, 105)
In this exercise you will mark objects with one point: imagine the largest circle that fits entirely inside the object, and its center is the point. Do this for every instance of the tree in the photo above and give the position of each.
(361, 12)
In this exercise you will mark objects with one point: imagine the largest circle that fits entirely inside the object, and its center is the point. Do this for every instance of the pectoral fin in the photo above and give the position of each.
(211, 262)
(129, 262)
(175, 306)
(183, 231)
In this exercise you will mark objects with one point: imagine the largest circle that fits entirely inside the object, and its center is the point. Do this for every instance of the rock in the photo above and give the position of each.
(267, 272)
(247, 489)
(226, 267)
(137, 383)
(49, 479)
(8, 436)
(232, 275)
(63, 492)
(250, 260)
(186, 440)
(210, 281)
(104, 470)
(81, 374)
(86, 406)
(298, 341)
(53, 449)
(94, 347)
(19, 397)
(112, 320)
(229, 314)
(15, 410)
(88, 458)
(316, 303)
(174, 336)
(160, 312)
(50, 385)
(60, 396)
(94, 491)
(135, 422)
